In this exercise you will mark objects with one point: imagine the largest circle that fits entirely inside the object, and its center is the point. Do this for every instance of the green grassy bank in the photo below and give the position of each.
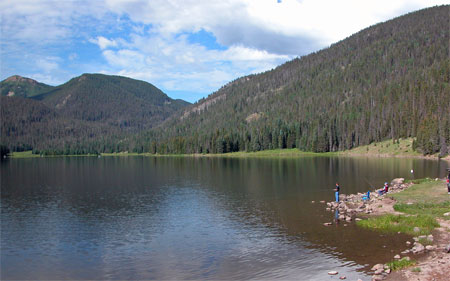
(420, 204)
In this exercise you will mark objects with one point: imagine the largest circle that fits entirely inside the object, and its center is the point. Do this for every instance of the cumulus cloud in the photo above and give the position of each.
(150, 40)
(103, 42)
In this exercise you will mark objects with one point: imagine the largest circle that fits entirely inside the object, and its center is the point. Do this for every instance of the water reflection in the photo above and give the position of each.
(169, 218)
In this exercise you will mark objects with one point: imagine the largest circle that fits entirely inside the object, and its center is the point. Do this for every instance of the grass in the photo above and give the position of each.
(400, 147)
(426, 191)
(434, 210)
(23, 154)
(400, 223)
(416, 269)
(422, 203)
(400, 264)
(292, 152)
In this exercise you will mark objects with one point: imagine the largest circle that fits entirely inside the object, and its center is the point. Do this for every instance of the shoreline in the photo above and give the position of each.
(429, 247)
(277, 153)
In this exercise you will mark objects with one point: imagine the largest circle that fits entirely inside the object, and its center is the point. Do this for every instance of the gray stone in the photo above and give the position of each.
(332, 272)
(418, 248)
(430, 247)
(377, 266)
(379, 271)
(447, 214)
(397, 257)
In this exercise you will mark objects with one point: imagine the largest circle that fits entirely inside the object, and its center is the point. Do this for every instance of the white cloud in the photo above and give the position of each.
(149, 40)
(103, 42)
(47, 64)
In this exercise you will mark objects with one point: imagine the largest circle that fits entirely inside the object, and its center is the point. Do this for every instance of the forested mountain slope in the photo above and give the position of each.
(19, 86)
(390, 80)
(114, 100)
(90, 113)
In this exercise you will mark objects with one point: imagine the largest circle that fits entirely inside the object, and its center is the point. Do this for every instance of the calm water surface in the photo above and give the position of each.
(187, 218)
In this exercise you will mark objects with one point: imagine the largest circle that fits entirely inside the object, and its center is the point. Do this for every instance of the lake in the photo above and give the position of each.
(191, 218)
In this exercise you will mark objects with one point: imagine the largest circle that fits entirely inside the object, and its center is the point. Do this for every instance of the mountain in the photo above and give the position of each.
(29, 124)
(388, 81)
(19, 86)
(89, 113)
(122, 102)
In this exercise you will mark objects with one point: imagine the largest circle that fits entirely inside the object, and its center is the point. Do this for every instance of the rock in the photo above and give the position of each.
(341, 217)
(348, 218)
(422, 237)
(327, 223)
(358, 219)
(313, 201)
(342, 277)
(447, 214)
(377, 278)
(387, 270)
(418, 248)
(416, 229)
(430, 247)
(405, 252)
(408, 243)
(397, 257)
(377, 266)
(329, 204)
(332, 272)
(328, 209)
(416, 239)
(430, 238)
(397, 181)
(407, 258)
(447, 249)
(379, 271)
(322, 201)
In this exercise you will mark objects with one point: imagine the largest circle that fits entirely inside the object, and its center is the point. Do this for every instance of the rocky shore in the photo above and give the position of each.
(433, 251)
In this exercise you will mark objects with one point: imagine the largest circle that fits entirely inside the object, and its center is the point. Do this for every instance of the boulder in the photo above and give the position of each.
(397, 181)
(377, 266)
(418, 248)
(447, 249)
(379, 271)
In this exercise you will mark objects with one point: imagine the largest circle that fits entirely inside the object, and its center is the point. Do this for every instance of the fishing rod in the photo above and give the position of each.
(369, 183)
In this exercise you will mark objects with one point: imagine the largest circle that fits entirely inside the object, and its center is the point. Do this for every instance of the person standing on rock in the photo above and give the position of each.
(448, 185)
(336, 192)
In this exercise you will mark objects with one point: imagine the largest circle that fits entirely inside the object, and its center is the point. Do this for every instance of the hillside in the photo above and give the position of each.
(388, 81)
(19, 86)
(90, 113)
(117, 101)
(28, 124)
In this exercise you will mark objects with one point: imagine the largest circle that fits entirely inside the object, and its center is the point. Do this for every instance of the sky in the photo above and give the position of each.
(187, 48)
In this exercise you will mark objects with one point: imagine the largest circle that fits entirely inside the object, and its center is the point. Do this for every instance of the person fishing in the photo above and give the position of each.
(448, 181)
(336, 189)
(384, 190)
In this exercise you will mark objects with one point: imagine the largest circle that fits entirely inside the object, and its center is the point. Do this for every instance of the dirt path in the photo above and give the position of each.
(435, 265)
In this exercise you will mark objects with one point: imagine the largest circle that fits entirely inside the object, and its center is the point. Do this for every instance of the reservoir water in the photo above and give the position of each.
(191, 218)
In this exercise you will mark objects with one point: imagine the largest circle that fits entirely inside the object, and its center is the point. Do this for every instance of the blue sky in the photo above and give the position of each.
(187, 48)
